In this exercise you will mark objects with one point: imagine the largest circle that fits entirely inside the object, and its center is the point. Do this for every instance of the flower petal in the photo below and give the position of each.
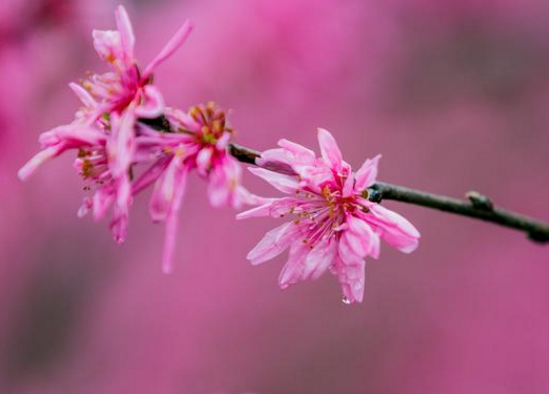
(320, 258)
(393, 228)
(123, 201)
(292, 272)
(329, 149)
(367, 174)
(203, 160)
(125, 29)
(175, 42)
(167, 189)
(37, 160)
(108, 45)
(284, 183)
(150, 175)
(351, 278)
(83, 95)
(122, 145)
(152, 104)
(300, 153)
(276, 160)
(273, 243)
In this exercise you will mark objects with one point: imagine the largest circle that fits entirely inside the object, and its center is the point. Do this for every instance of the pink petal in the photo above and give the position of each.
(152, 104)
(83, 95)
(393, 228)
(167, 189)
(224, 183)
(172, 222)
(276, 160)
(223, 142)
(367, 174)
(150, 175)
(87, 204)
(37, 160)
(108, 45)
(75, 135)
(277, 207)
(175, 42)
(361, 238)
(127, 37)
(284, 183)
(273, 243)
(119, 225)
(203, 160)
(351, 278)
(320, 258)
(102, 200)
(329, 149)
(261, 211)
(348, 186)
(292, 272)
(122, 145)
(300, 153)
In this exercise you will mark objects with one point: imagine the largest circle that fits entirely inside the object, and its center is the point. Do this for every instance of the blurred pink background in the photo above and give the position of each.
(454, 94)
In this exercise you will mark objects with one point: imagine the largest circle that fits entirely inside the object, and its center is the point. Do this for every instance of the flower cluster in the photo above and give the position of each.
(124, 127)
(126, 139)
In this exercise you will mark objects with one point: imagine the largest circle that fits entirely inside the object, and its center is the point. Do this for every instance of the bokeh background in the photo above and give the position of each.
(454, 94)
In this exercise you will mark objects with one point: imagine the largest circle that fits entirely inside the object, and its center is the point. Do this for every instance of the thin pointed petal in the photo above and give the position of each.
(284, 183)
(173, 45)
(329, 149)
(83, 95)
(367, 174)
(127, 37)
(37, 160)
(273, 243)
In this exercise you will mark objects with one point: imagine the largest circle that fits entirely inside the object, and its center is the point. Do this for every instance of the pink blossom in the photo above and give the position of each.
(199, 141)
(115, 90)
(106, 131)
(334, 225)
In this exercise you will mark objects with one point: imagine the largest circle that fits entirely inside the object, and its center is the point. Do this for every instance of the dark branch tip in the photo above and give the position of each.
(539, 236)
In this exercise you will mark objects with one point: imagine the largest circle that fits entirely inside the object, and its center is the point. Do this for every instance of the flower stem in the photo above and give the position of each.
(477, 206)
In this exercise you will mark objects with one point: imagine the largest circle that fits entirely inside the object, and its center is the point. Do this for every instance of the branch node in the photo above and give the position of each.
(373, 194)
(480, 201)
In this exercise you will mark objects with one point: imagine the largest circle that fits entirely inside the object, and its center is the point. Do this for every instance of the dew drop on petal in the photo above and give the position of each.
(345, 300)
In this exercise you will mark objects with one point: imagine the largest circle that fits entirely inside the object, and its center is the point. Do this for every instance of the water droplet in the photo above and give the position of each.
(345, 300)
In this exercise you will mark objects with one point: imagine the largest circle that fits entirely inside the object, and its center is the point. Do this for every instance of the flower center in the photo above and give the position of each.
(212, 123)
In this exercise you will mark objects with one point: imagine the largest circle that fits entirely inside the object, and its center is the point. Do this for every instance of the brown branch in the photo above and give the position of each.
(477, 206)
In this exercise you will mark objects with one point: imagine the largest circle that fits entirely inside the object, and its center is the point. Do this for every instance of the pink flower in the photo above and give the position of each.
(199, 141)
(334, 225)
(115, 90)
(106, 131)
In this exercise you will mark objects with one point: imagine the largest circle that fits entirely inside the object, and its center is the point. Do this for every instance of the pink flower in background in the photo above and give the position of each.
(105, 129)
(199, 140)
(334, 226)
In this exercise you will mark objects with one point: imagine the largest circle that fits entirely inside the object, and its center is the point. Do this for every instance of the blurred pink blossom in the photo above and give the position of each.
(115, 131)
